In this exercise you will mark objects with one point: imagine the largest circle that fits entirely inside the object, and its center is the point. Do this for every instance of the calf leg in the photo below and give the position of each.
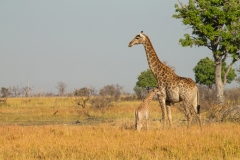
(147, 119)
(169, 114)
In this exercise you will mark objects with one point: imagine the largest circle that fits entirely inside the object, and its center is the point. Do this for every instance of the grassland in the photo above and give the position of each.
(46, 128)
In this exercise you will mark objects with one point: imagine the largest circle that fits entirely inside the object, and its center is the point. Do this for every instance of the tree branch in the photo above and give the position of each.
(225, 56)
(209, 47)
(183, 6)
(228, 70)
(217, 41)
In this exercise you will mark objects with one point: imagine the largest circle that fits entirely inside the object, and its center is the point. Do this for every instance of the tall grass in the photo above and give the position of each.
(33, 131)
(113, 142)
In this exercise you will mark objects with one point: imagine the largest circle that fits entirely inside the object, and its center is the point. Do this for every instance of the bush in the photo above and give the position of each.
(128, 98)
(102, 103)
(113, 91)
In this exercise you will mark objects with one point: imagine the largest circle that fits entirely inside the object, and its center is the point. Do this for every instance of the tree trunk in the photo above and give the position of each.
(218, 82)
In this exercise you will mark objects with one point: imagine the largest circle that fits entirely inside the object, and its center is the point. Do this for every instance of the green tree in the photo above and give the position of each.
(238, 78)
(204, 72)
(5, 92)
(214, 24)
(146, 78)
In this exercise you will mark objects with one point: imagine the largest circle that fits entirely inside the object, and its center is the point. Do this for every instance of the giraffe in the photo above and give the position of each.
(172, 88)
(143, 110)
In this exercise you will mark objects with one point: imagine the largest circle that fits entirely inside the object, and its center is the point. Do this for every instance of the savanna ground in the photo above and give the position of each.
(57, 128)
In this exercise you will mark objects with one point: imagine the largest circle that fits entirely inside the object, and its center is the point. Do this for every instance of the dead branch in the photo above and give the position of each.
(81, 101)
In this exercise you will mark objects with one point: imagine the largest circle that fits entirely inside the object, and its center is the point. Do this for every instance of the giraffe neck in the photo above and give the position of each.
(154, 63)
(149, 98)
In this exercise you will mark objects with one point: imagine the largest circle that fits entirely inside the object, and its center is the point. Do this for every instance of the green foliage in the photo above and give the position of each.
(204, 72)
(5, 92)
(231, 75)
(214, 23)
(146, 78)
(238, 78)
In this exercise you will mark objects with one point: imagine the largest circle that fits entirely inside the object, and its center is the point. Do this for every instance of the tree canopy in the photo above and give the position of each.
(214, 24)
(146, 78)
(204, 72)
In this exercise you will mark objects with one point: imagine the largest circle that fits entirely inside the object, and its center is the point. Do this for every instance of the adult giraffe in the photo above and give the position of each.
(172, 88)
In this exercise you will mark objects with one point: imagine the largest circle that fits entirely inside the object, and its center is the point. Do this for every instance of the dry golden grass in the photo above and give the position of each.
(31, 131)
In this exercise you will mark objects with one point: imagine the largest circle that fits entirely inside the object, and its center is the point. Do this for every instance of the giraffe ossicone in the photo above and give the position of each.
(172, 88)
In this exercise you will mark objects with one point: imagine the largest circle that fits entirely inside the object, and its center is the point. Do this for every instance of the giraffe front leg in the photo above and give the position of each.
(139, 126)
(139, 122)
(163, 108)
(147, 119)
(147, 124)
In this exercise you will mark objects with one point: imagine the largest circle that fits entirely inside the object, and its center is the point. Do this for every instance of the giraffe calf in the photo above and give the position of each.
(143, 110)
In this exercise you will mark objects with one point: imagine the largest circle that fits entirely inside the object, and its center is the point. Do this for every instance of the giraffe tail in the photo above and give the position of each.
(198, 105)
(198, 109)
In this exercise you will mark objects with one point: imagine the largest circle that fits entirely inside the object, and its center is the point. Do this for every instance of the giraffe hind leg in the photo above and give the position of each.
(139, 122)
(199, 116)
(188, 114)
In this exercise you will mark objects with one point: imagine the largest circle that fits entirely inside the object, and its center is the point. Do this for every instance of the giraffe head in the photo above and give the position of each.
(138, 39)
(156, 90)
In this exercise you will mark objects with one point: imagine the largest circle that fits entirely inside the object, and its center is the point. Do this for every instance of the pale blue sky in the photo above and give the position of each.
(85, 43)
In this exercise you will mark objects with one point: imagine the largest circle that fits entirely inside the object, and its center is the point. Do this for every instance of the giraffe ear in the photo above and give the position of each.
(140, 34)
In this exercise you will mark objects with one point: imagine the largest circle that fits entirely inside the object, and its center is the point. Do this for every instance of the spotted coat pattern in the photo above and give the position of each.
(172, 88)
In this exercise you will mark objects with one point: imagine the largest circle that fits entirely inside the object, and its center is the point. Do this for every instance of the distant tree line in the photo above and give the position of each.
(16, 91)
(114, 91)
